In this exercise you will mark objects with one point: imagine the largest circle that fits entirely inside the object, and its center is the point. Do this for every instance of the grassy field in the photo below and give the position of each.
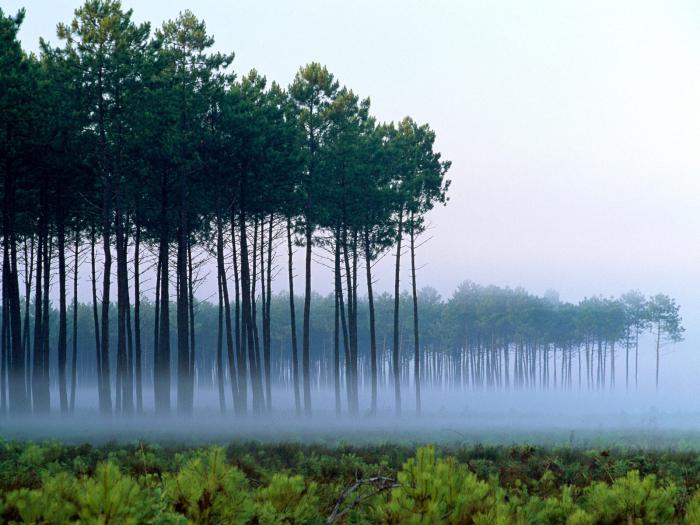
(266, 483)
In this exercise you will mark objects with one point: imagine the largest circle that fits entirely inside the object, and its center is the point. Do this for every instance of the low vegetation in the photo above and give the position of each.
(291, 483)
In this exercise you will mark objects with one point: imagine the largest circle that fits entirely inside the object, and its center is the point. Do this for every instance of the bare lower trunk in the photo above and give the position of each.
(395, 349)
(416, 342)
(306, 365)
(293, 320)
(372, 331)
(74, 338)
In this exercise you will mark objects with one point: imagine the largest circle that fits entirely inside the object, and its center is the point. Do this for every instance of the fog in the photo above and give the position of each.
(638, 417)
(573, 132)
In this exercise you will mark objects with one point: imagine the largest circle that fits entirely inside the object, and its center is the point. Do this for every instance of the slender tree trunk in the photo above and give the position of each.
(106, 407)
(223, 287)
(240, 338)
(306, 364)
(183, 336)
(190, 291)
(372, 328)
(62, 316)
(219, 335)
(246, 296)
(352, 331)
(24, 399)
(161, 374)
(45, 405)
(416, 342)
(16, 351)
(395, 350)
(38, 394)
(341, 307)
(96, 319)
(256, 370)
(138, 368)
(74, 338)
(336, 337)
(128, 398)
(293, 320)
(267, 336)
(263, 299)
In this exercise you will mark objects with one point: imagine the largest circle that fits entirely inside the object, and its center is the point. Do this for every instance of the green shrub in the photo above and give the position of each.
(287, 500)
(207, 490)
(631, 500)
(434, 490)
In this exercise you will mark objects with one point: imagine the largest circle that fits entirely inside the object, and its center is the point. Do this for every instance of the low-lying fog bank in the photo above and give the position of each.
(645, 419)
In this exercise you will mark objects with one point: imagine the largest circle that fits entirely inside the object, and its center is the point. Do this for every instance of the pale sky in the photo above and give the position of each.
(573, 127)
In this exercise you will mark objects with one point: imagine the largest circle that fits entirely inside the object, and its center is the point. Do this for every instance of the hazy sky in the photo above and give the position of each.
(573, 127)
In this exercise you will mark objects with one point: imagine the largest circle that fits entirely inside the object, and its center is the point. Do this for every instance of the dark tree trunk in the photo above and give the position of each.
(161, 376)
(239, 330)
(416, 342)
(337, 293)
(246, 296)
(22, 360)
(395, 348)
(62, 315)
(266, 319)
(293, 320)
(220, 325)
(190, 291)
(372, 329)
(255, 369)
(45, 405)
(226, 305)
(350, 365)
(16, 346)
(74, 335)
(183, 337)
(96, 319)
(138, 365)
(39, 390)
(306, 364)
(263, 298)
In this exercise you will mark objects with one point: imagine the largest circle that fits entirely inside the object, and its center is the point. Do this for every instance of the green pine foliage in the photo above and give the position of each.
(255, 483)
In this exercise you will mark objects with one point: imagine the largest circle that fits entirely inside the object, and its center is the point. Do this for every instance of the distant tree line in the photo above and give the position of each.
(138, 159)
(132, 151)
(481, 338)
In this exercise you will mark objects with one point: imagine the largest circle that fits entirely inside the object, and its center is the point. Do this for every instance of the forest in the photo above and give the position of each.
(213, 309)
(135, 159)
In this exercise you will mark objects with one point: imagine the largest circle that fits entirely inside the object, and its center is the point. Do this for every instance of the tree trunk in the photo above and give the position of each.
(395, 349)
(161, 373)
(220, 332)
(190, 291)
(293, 320)
(223, 288)
(62, 316)
(246, 296)
(22, 360)
(267, 336)
(96, 319)
(138, 368)
(372, 329)
(242, 369)
(74, 338)
(39, 396)
(416, 342)
(183, 336)
(306, 370)
(256, 369)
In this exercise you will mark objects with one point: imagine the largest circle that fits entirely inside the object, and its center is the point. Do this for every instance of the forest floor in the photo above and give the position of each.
(388, 482)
